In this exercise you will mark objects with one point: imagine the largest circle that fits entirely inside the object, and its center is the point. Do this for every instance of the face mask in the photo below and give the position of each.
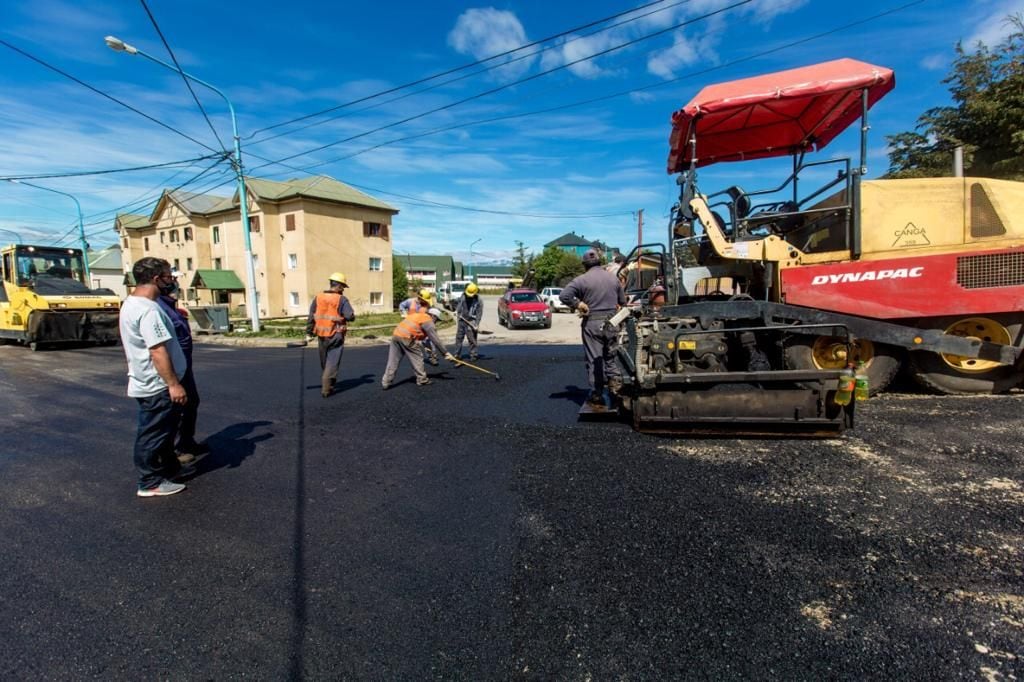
(167, 288)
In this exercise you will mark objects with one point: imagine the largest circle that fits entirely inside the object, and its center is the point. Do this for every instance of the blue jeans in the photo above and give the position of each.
(154, 442)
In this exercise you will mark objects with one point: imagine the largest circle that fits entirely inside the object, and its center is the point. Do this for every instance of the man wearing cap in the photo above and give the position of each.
(595, 296)
(406, 341)
(329, 315)
(468, 313)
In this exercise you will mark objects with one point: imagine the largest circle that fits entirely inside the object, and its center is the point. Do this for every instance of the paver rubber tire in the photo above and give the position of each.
(881, 362)
(954, 375)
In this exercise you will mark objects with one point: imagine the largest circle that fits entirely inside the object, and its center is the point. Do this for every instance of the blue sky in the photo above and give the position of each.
(530, 177)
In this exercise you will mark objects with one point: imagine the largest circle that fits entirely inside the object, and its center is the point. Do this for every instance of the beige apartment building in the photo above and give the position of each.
(301, 231)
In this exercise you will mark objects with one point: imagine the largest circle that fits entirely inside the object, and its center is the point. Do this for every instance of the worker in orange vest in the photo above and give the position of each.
(423, 300)
(406, 341)
(329, 315)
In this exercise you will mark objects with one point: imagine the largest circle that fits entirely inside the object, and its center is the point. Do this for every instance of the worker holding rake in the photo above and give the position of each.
(468, 314)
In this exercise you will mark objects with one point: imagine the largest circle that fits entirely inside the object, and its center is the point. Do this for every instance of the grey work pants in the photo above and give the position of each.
(399, 349)
(331, 349)
(467, 330)
(600, 347)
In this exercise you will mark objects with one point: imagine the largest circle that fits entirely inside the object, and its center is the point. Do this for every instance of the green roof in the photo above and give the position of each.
(569, 239)
(439, 264)
(223, 280)
(314, 187)
(499, 270)
(132, 221)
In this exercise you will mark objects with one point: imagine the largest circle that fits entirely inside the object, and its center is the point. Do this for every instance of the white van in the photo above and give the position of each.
(451, 292)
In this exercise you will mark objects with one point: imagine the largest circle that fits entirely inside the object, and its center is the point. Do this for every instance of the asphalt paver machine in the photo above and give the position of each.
(770, 294)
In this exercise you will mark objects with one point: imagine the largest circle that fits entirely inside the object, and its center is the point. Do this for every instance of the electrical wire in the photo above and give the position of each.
(188, 85)
(527, 79)
(602, 98)
(79, 174)
(455, 69)
(103, 94)
(475, 73)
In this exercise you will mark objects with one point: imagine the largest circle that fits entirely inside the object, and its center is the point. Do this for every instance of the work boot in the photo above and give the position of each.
(596, 398)
(325, 392)
(474, 357)
(432, 359)
(424, 382)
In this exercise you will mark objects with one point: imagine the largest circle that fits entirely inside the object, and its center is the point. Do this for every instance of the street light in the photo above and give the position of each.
(81, 228)
(20, 240)
(471, 255)
(119, 45)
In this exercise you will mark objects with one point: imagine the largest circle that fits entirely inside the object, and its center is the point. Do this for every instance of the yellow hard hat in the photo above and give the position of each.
(472, 289)
(338, 277)
(424, 294)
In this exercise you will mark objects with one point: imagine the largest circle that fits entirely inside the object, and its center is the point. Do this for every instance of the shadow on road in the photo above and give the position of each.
(573, 394)
(230, 446)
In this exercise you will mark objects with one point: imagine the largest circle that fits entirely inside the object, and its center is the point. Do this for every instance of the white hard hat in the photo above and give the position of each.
(435, 313)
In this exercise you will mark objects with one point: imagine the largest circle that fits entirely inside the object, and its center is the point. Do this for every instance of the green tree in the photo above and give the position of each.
(399, 282)
(986, 118)
(555, 266)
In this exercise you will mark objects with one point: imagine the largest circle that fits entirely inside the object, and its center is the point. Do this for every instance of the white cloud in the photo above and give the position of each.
(993, 27)
(664, 63)
(486, 31)
(935, 62)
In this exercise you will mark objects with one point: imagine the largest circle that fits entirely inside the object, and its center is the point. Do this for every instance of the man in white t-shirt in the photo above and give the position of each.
(156, 365)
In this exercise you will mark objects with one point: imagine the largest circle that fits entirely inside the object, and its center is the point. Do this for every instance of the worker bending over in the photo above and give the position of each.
(595, 296)
(420, 303)
(406, 341)
(468, 313)
(329, 315)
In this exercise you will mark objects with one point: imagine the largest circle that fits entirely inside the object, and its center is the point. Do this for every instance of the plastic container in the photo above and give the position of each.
(845, 387)
(861, 387)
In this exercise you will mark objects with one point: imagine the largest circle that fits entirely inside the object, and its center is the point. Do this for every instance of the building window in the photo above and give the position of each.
(255, 261)
(254, 223)
(216, 234)
(191, 295)
(188, 264)
(188, 234)
(376, 265)
(177, 265)
(216, 263)
(375, 230)
(161, 237)
(293, 261)
(293, 299)
(376, 298)
(289, 222)
(173, 236)
(124, 244)
(145, 243)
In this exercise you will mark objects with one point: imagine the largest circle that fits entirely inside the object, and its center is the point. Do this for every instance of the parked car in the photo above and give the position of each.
(550, 296)
(523, 308)
(451, 292)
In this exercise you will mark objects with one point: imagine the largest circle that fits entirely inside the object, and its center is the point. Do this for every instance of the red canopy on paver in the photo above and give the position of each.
(776, 114)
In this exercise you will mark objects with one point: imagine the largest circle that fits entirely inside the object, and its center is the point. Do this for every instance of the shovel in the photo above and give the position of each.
(497, 377)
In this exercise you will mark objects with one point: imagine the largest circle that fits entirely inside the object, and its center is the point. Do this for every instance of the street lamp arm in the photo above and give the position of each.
(119, 45)
(81, 226)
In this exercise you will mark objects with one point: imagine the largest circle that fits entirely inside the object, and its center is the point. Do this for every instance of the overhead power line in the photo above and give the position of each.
(456, 69)
(103, 94)
(188, 85)
(602, 98)
(79, 174)
(527, 79)
(636, 17)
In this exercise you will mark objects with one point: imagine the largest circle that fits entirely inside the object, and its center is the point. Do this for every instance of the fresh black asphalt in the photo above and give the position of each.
(473, 529)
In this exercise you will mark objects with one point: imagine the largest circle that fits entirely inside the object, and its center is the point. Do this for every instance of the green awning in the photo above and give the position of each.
(221, 280)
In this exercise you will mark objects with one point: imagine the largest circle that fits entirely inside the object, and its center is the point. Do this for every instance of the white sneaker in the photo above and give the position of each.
(165, 488)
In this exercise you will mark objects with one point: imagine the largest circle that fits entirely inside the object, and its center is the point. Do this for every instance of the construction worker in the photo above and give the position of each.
(420, 303)
(595, 296)
(406, 341)
(329, 315)
(468, 314)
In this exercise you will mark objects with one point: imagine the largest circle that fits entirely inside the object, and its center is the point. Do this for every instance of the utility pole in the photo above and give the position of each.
(640, 228)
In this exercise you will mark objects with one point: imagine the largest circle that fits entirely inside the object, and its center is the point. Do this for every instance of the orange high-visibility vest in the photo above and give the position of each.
(412, 326)
(327, 319)
(416, 307)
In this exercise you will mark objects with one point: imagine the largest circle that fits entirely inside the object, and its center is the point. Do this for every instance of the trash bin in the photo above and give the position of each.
(210, 319)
